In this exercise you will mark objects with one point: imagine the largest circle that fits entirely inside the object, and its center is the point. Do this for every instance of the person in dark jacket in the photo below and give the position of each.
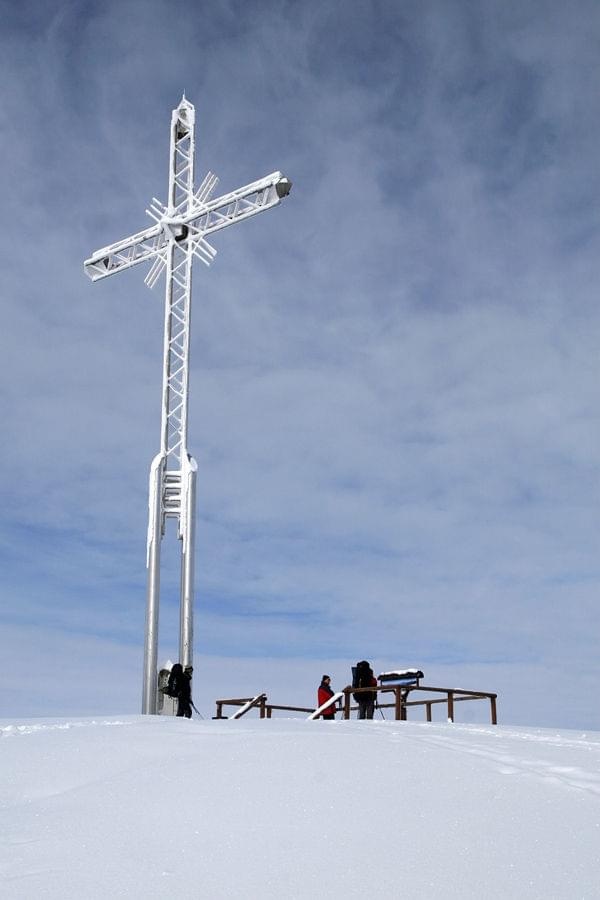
(366, 699)
(184, 707)
(324, 693)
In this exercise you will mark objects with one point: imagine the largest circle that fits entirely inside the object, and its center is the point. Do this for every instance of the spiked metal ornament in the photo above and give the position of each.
(180, 231)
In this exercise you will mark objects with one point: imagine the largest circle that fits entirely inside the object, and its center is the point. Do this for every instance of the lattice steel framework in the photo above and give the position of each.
(179, 233)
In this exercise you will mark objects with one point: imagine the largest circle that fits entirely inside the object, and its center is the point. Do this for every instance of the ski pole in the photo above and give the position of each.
(195, 710)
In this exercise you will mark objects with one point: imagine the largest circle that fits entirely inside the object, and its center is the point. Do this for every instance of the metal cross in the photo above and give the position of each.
(179, 233)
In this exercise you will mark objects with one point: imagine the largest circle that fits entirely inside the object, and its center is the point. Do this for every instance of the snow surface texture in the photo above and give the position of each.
(160, 807)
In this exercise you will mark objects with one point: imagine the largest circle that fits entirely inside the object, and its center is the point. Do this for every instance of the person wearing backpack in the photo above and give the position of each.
(324, 694)
(184, 707)
(363, 677)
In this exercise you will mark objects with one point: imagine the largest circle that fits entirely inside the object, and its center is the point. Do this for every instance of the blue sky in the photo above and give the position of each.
(394, 385)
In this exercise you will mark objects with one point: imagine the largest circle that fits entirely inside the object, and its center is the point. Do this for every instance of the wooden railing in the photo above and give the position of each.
(400, 704)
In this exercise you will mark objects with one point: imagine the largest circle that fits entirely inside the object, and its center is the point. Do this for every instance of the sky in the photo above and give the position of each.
(393, 388)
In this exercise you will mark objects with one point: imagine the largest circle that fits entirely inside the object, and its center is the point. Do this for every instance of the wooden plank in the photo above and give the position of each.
(237, 701)
(455, 691)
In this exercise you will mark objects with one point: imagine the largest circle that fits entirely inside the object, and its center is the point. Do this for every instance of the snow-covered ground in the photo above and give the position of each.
(158, 808)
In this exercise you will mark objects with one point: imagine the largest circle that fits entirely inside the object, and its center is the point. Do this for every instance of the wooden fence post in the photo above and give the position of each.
(404, 698)
(493, 710)
(428, 711)
(346, 703)
(398, 710)
(451, 705)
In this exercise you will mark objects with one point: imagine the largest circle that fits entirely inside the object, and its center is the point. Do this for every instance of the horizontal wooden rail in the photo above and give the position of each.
(423, 687)
(236, 701)
(271, 706)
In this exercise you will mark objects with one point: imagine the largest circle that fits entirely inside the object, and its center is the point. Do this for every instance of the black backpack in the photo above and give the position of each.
(175, 680)
(361, 678)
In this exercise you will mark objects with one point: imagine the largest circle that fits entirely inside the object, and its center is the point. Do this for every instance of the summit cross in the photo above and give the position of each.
(179, 234)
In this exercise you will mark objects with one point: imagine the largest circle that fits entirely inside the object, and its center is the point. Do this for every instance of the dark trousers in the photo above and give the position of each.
(328, 716)
(366, 708)
(184, 709)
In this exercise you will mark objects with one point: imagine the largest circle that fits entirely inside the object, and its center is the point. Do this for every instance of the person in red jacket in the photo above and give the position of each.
(324, 693)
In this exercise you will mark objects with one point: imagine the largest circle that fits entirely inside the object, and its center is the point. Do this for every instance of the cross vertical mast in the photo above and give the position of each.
(179, 234)
(173, 471)
(178, 289)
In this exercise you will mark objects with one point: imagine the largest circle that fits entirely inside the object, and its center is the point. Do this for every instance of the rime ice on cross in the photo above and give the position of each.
(179, 233)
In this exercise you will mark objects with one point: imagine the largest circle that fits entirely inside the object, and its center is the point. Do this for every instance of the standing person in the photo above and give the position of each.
(324, 693)
(184, 707)
(364, 677)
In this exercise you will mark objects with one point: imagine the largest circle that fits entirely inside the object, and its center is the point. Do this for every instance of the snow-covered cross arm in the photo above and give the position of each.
(194, 224)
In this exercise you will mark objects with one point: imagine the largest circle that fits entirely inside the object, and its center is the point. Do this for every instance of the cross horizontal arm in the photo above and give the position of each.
(126, 253)
(203, 218)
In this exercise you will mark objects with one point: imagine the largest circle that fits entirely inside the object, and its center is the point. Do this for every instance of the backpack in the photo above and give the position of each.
(361, 678)
(175, 679)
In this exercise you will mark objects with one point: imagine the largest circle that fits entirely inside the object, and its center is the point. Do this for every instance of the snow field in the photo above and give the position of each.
(151, 807)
